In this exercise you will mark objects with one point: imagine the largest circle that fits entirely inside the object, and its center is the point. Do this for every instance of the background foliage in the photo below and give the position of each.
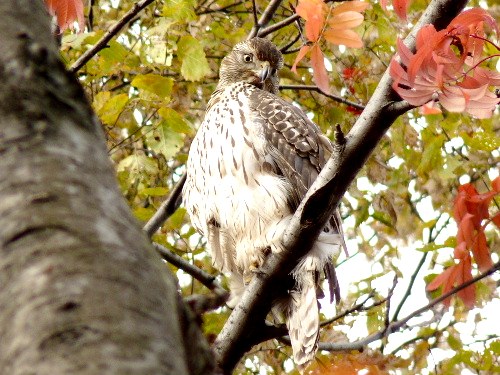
(150, 87)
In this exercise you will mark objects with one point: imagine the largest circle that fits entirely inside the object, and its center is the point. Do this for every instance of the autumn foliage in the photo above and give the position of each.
(331, 23)
(446, 66)
(472, 216)
(67, 13)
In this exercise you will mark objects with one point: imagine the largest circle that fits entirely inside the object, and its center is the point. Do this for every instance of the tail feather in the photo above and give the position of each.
(303, 320)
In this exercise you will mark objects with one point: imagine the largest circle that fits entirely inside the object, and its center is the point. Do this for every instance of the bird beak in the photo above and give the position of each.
(265, 71)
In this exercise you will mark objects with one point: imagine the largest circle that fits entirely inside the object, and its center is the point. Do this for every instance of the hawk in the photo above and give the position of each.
(250, 164)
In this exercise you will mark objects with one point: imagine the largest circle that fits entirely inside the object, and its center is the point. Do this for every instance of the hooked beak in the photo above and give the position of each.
(265, 71)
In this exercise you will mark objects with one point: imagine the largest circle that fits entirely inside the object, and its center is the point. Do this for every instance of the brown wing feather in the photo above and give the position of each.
(299, 152)
(295, 143)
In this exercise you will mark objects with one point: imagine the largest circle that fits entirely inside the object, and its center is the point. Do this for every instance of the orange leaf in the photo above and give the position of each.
(319, 70)
(303, 51)
(430, 109)
(348, 38)
(354, 6)
(67, 12)
(313, 11)
(346, 20)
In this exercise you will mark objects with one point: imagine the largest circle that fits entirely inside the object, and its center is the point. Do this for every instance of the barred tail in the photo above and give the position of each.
(303, 320)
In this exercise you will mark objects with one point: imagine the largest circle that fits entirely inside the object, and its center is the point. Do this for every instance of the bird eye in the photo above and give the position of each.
(247, 58)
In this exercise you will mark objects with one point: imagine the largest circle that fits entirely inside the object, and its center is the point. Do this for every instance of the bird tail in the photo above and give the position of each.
(303, 309)
(303, 320)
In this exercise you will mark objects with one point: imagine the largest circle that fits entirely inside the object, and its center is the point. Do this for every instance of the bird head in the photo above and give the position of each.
(255, 61)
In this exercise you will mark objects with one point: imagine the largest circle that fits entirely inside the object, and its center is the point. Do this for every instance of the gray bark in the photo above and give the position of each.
(82, 291)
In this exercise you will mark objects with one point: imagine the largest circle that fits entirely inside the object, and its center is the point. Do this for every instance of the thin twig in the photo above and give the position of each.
(101, 43)
(203, 277)
(317, 89)
(166, 209)
(358, 307)
(395, 326)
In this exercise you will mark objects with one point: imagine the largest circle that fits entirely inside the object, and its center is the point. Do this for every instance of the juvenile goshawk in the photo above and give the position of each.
(252, 161)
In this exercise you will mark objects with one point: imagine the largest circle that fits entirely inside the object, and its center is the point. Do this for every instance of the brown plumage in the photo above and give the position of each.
(251, 163)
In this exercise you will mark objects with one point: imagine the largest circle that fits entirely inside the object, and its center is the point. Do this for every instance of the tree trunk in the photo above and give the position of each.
(82, 291)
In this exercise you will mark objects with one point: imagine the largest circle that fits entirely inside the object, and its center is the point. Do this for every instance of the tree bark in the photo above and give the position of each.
(82, 290)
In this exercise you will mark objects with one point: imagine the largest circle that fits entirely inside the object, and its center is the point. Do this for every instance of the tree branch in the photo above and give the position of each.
(317, 89)
(101, 43)
(265, 18)
(320, 201)
(203, 277)
(395, 326)
(166, 209)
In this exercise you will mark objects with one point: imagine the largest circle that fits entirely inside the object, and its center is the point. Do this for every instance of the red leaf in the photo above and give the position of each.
(401, 8)
(319, 70)
(67, 12)
(303, 51)
(455, 276)
(466, 230)
(481, 253)
(473, 17)
(460, 205)
(496, 219)
(495, 184)
(467, 295)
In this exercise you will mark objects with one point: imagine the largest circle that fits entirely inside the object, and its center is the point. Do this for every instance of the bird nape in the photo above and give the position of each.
(251, 162)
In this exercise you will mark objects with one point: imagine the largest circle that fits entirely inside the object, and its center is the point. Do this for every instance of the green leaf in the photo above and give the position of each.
(454, 343)
(155, 84)
(431, 247)
(109, 107)
(383, 218)
(154, 191)
(431, 157)
(144, 214)
(175, 121)
(194, 63)
(180, 10)
(362, 213)
(175, 221)
(482, 141)
(137, 163)
(164, 140)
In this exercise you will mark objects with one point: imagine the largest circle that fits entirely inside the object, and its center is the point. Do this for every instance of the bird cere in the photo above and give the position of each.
(251, 162)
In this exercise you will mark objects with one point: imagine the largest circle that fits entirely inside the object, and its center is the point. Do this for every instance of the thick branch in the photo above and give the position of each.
(101, 43)
(265, 18)
(319, 203)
